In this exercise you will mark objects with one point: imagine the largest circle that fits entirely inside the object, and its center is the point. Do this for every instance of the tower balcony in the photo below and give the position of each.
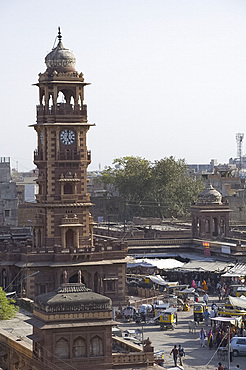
(61, 109)
(68, 155)
(69, 197)
(40, 198)
(70, 220)
(38, 155)
(88, 156)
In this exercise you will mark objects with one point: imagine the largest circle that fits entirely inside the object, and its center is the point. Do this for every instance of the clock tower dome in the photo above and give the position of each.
(62, 158)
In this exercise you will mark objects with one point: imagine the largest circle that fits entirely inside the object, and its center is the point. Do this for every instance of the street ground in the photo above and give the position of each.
(196, 357)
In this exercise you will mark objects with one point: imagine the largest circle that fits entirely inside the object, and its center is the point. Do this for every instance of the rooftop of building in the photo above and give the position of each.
(18, 329)
(72, 297)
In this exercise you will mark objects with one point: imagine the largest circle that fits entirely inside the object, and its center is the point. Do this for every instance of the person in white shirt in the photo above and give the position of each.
(205, 298)
(212, 315)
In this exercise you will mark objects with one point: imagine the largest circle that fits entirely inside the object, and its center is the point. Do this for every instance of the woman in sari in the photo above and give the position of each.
(210, 339)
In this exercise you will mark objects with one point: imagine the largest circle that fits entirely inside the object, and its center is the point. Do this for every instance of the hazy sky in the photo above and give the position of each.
(168, 76)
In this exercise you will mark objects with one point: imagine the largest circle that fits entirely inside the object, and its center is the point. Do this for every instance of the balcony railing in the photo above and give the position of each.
(89, 156)
(70, 220)
(69, 197)
(68, 155)
(61, 109)
(38, 155)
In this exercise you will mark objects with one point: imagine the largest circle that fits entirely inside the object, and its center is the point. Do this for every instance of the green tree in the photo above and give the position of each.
(164, 188)
(132, 177)
(175, 188)
(7, 307)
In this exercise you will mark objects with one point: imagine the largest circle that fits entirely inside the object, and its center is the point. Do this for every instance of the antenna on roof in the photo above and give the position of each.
(239, 139)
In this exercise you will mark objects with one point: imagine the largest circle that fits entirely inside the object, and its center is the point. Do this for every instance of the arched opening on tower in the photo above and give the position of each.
(68, 189)
(96, 346)
(79, 347)
(75, 279)
(215, 226)
(96, 285)
(39, 238)
(197, 227)
(50, 101)
(43, 99)
(62, 348)
(207, 226)
(222, 226)
(69, 238)
(72, 100)
(60, 98)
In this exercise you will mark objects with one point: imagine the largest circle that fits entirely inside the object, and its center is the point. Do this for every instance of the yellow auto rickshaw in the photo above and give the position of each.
(168, 319)
(241, 291)
(199, 309)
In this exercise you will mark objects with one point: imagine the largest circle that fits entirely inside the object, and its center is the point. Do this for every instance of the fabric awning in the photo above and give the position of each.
(161, 264)
(233, 320)
(206, 266)
(157, 279)
(238, 302)
(187, 291)
(236, 271)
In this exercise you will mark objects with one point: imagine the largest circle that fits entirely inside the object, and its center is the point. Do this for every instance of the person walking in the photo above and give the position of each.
(181, 353)
(205, 299)
(202, 335)
(210, 339)
(175, 353)
(206, 317)
(212, 316)
(220, 367)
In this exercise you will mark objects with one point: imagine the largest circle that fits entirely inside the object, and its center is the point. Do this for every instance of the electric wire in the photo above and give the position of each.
(225, 336)
(15, 277)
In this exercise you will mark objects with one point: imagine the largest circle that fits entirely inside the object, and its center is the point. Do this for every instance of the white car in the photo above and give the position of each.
(238, 345)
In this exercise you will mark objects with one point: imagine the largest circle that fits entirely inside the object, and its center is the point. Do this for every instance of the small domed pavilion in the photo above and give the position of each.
(73, 327)
(210, 216)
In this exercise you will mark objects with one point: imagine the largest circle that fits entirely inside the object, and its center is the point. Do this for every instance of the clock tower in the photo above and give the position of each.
(63, 248)
(62, 157)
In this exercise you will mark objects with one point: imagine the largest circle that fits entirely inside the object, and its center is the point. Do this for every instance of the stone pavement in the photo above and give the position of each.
(196, 357)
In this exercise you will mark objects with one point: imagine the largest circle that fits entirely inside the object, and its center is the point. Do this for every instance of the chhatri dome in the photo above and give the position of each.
(209, 196)
(72, 297)
(60, 59)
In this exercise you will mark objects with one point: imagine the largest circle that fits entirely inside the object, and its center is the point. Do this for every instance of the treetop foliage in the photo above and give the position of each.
(7, 307)
(163, 188)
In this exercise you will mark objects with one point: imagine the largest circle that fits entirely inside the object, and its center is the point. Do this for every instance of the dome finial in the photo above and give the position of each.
(59, 34)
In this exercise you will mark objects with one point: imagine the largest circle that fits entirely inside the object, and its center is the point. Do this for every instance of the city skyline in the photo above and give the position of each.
(167, 77)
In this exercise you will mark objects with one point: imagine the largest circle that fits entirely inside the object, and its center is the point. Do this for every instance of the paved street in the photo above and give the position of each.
(196, 357)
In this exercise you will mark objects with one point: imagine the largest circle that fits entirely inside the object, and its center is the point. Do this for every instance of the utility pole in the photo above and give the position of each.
(229, 347)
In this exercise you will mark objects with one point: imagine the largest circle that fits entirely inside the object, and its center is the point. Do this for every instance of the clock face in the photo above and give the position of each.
(67, 137)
